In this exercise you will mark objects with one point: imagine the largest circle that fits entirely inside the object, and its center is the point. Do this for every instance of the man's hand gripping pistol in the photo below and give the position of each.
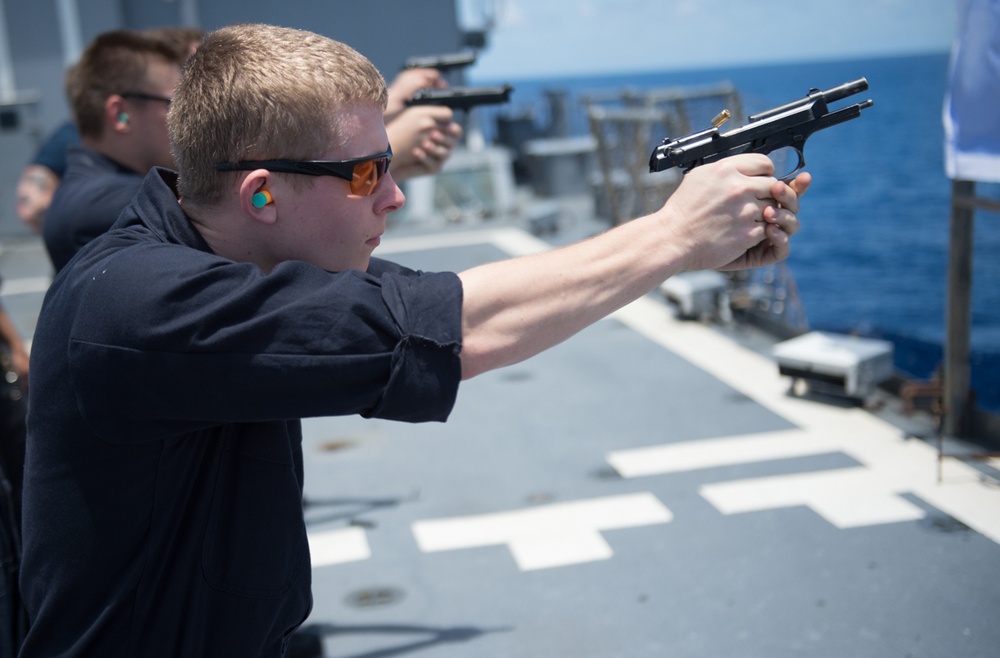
(784, 127)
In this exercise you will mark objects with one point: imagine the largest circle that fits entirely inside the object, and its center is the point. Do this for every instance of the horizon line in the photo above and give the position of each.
(693, 68)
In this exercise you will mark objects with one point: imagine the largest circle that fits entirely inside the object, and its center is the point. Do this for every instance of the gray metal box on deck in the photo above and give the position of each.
(698, 294)
(848, 365)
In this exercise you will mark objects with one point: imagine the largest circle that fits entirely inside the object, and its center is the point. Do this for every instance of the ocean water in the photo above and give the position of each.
(871, 257)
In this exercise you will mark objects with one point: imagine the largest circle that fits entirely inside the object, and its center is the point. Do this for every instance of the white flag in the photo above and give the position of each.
(972, 102)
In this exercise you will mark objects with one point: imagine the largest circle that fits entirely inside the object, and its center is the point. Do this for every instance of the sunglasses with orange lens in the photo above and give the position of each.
(363, 174)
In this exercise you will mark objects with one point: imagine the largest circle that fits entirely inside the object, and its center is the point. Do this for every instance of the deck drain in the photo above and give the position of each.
(374, 597)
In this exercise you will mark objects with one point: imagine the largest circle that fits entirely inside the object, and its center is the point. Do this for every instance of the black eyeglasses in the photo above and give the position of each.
(143, 96)
(363, 173)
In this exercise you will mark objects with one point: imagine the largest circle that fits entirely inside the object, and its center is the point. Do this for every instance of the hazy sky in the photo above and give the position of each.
(538, 38)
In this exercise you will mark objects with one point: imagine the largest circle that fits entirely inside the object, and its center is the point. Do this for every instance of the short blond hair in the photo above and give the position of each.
(258, 92)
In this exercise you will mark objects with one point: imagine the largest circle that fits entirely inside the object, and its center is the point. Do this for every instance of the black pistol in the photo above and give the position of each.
(443, 63)
(786, 126)
(462, 98)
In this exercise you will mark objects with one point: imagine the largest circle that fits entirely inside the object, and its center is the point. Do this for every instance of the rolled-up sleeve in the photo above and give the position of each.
(426, 366)
(200, 345)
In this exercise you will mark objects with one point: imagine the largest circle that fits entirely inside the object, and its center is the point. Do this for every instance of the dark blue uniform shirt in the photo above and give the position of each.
(164, 472)
(86, 203)
(53, 151)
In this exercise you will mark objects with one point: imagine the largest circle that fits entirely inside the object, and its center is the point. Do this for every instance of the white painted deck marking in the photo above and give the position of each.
(712, 453)
(510, 240)
(549, 536)
(338, 546)
(846, 497)
(26, 285)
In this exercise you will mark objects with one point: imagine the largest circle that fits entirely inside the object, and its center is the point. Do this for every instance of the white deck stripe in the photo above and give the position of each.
(25, 286)
(513, 241)
(846, 497)
(548, 536)
(712, 453)
(338, 546)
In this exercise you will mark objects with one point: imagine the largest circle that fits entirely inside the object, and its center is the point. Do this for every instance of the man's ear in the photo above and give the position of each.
(115, 114)
(255, 198)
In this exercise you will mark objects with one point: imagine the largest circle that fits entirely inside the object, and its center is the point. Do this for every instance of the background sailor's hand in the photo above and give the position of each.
(422, 138)
(34, 194)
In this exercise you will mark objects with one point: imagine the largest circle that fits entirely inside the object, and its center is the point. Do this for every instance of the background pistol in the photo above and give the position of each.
(784, 127)
(462, 98)
(443, 63)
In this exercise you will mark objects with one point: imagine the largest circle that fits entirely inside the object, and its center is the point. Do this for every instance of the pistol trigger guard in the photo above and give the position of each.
(787, 178)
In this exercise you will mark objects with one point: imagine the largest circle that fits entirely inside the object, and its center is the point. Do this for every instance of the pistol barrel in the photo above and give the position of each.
(845, 90)
(828, 96)
(461, 98)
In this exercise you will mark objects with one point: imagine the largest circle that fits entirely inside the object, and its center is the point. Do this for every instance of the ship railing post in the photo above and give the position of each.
(957, 407)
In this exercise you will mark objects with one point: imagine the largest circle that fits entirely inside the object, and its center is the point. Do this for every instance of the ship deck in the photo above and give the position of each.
(650, 487)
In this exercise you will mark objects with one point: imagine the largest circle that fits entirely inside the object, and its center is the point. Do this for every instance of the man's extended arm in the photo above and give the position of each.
(724, 215)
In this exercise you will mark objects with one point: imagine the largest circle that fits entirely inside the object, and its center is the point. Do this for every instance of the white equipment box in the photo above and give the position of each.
(698, 294)
(847, 365)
